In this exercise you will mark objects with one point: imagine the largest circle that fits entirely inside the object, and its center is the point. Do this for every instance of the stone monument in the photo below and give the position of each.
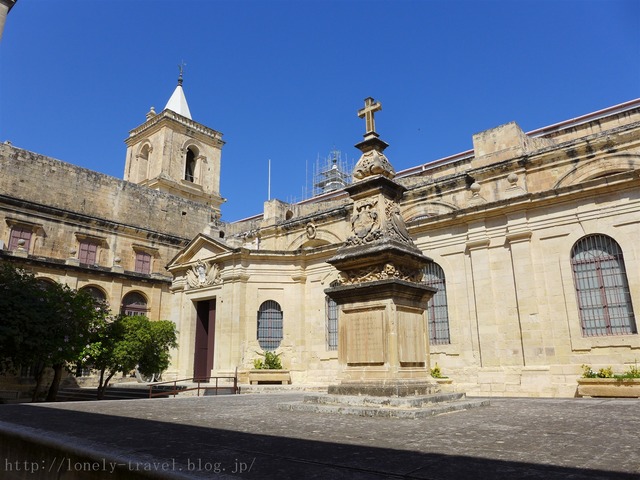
(383, 340)
(383, 345)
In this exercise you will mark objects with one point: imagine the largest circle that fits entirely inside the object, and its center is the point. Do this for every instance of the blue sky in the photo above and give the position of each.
(282, 80)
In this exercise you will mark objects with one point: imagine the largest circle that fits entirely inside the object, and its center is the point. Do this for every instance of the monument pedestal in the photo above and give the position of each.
(383, 339)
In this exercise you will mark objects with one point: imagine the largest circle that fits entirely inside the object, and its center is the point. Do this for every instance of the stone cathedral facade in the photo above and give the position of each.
(532, 237)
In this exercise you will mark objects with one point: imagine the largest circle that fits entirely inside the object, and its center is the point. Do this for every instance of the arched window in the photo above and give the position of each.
(190, 166)
(143, 162)
(437, 306)
(601, 286)
(45, 283)
(134, 303)
(332, 321)
(269, 325)
(96, 293)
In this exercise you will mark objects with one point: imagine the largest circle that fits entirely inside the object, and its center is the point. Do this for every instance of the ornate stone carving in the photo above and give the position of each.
(380, 272)
(203, 274)
(311, 231)
(395, 223)
(365, 222)
(371, 163)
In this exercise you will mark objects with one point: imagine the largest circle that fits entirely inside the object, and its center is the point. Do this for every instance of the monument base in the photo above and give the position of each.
(409, 406)
(386, 388)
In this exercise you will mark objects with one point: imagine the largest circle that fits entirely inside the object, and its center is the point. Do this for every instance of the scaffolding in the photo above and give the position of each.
(331, 173)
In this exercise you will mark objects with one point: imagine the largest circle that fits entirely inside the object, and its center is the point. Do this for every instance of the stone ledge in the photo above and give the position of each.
(384, 402)
(272, 376)
(377, 411)
(609, 387)
(398, 388)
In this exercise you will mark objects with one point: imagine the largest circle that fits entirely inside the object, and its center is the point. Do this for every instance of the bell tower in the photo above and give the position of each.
(172, 153)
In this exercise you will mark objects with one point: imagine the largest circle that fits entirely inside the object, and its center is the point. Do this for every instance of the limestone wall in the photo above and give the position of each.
(46, 181)
(514, 322)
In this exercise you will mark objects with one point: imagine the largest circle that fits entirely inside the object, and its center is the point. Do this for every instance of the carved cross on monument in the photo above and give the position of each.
(370, 107)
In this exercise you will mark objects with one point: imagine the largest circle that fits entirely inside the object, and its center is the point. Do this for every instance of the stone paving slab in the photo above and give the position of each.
(217, 437)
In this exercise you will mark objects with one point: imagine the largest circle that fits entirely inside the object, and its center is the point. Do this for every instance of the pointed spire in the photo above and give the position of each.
(178, 102)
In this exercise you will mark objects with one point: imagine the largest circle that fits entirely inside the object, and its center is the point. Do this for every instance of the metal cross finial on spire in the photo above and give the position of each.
(181, 68)
(370, 107)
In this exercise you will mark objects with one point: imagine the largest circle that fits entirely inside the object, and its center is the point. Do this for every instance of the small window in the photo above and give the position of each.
(143, 262)
(88, 252)
(437, 307)
(269, 325)
(134, 303)
(190, 166)
(602, 289)
(20, 233)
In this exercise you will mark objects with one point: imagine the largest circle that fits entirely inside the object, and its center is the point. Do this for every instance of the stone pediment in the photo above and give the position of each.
(200, 248)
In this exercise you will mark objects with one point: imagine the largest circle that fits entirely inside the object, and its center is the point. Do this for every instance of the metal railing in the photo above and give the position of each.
(199, 381)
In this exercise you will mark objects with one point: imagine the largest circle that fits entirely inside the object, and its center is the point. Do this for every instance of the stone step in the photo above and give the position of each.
(380, 411)
(418, 401)
(244, 388)
(88, 394)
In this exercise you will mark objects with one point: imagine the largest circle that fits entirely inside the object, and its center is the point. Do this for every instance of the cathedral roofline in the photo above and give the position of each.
(537, 133)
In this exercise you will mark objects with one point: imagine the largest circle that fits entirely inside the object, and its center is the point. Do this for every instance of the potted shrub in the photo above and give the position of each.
(604, 383)
(436, 373)
(269, 370)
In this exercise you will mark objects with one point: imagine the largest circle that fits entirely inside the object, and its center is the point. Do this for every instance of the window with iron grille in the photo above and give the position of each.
(133, 304)
(87, 252)
(601, 286)
(332, 323)
(143, 262)
(19, 233)
(437, 306)
(269, 325)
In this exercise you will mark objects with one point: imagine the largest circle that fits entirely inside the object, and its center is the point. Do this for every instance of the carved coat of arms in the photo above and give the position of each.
(365, 219)
(202, 274)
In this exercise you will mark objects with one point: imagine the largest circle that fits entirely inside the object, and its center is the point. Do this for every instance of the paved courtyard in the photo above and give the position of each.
(246, 436)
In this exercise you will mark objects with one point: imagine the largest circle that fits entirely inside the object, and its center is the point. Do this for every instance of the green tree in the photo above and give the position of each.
(42, 325)
(74, 314)
(122, 343)
(22, 310)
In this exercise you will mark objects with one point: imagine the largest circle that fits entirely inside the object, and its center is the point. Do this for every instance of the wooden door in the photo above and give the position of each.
(205, 339)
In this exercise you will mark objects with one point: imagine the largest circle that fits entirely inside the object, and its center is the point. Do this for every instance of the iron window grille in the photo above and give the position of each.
(602, 289)
(437, 311)
(270, 325)
(331, 324)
